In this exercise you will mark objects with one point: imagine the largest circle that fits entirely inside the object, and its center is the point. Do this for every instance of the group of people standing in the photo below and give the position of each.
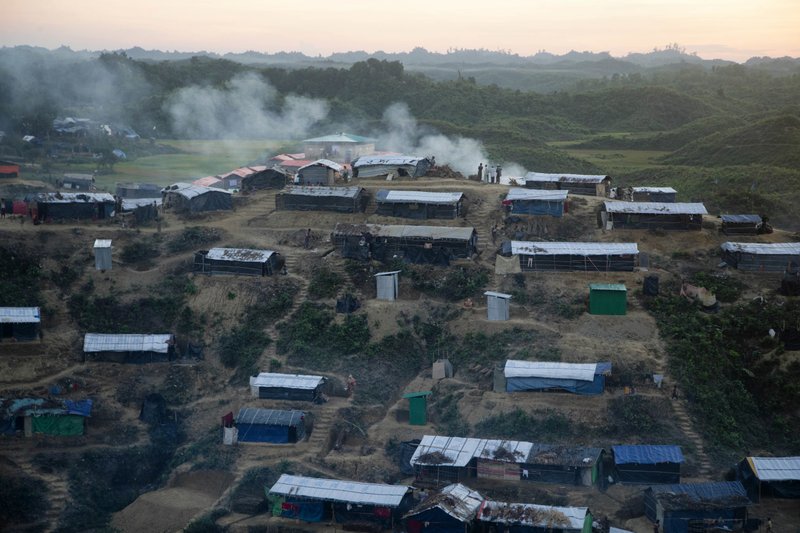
(489, 174)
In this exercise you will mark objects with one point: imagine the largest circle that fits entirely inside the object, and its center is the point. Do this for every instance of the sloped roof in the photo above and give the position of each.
(422, 197)
(340, 491)
(189, 191)
(133, 203)
(325, 163)
(519, 193)
(714, 495)
(574, 248)
(550, 369)
(245, 255)
(394, 160)
(608, 287)
(763, 248)
(120, 342)
(269, 417)
(654, 189)
(456, 500)
(73, 197)
(775, 468)
(208, 181)
(647, 454)
(20, 315)
(286, 381)
(343, 192)
(102, 243)
(461, 450)
(564, 178)
(551, 454)
(398, 231)
(741, 219)
(656, 208)
(340, 138)
(497, 294)
(531, 514)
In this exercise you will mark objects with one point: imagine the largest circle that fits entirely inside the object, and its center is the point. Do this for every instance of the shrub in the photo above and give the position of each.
(22, 499)
(325, 283)
(139, 252)
(538, 426)
(194, 238)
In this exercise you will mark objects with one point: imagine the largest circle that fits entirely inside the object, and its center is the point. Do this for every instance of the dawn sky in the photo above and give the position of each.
(727, 29)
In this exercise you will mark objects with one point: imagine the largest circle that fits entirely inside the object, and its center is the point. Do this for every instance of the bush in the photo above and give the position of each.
(325, 283)
(449, 283)
(19, 277)
(139, 252)
(636, 415)
(725, 288)
(22, 499)
(538, 426)
(194, 238)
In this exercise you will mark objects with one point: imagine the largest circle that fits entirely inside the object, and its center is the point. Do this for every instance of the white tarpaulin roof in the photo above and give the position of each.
(325, 163)
(74, 197)
(340, 491)
(576, 178)
(102, 243)
(462, 450)
(549, 369)
(399, 160)
(286, 381)
(546, 516)
(574, 248)
(763, 248)
(20, 315)
(656, 208)
(189, 191)
(518, 193)
(420, 232)
(654, 189)
(775, 468)
(497, 294)
(418, 196)
(129, 204)
(239, 254)
(118, 342)
(344, 192)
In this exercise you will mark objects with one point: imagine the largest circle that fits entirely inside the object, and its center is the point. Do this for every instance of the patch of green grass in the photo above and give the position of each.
(536, 426)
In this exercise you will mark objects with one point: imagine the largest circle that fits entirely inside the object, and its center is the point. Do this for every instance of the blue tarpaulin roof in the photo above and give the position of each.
(647, 455)
(78, 407)
(731, 492)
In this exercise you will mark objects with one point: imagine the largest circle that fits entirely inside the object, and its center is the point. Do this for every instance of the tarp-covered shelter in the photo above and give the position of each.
(419, 205)
(497, 305)
(185, 197)
(338, 146)
(684, 508)
(65, 205)
(238, 261)
(77, 182)
(414, 244)
(741, 224)
(8, 169)
(387, 285)
(20, 323)
(547, 463)
(129, 347)
(654, 194)
(346, 502)
(762, 256)
(209, 181)
(579, 378)
(102, 254)
(44, 416)
(608, 299)
(573, 256)
(319, 172)
(138, 190)
(372, 166)
(275, 386)
(143, 209)
(533, 518)
(770, 476)
(536, 202)
(340, 199)
(270, 425)
(264, 178)
(585, 184)
(234, 180)
(652, 215)
(452, 510)
(647, 464)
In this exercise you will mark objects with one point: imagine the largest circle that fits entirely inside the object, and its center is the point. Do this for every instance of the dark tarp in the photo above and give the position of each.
(650, 286)
(695, 501)
(516, 384)
(553, 208)
(305, 510)
(154, 409)
(407, 450)
(647, 464)
(347, 304)
(435, 521)
(283, 393)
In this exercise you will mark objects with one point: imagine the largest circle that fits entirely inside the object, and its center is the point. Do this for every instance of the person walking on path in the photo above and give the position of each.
(674, 392)
(2, 208)
(307, 239)
(499, 172)
(494, 234)
(480, 172)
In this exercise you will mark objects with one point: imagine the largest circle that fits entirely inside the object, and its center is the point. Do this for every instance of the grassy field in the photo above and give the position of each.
(616, 161)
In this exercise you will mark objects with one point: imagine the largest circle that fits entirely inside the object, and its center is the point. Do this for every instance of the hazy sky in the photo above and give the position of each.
(729, 29)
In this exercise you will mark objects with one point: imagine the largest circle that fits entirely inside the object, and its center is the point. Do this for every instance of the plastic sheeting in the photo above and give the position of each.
(596, 386)
(644, 454)
(62, 425)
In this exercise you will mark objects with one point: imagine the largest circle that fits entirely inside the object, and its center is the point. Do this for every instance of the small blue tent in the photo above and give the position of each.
(269, 425)
(648, 464)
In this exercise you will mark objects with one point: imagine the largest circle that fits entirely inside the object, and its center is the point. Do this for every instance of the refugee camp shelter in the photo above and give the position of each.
(8, 169)
(417, 407)
(265, 178)
(442, 368)
(102, 254)
(138, 190)
(536, 202)
(276, 386)
(778, 477)
(77, 182)
(652, 215)
(270, 425)
(647, 464)
(684, 508)
(238, 261)
(420, 205)
(129, 347)
(345, 502)
(654, 194)
(342, 146)
(452, 510)
(589, 185)
(142, 209)
(209, 181)
(608, 299)
(234, 180)
(533, 518)
(305, 198)
(762, 256)
(741, 224)
(387, 285)
(20, 323)
(373, 166)
(497, 305)
(414, 244)
(188, 198)
(319, 172)
(65, 205)
(578, 378)
(547, 463)
(53, 417)
(573, 256)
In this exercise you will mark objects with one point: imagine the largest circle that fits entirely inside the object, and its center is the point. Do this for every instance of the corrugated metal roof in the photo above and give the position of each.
(395, 160)
(421, 197)
(647, 454)
(208, 181)
(418, 232)
(462, 450)
(340, 138)
(340, 491)
(102, 243)
(73, 197)
(20, 315)
(550, 369)
(189, 191)
(608, 287)
(325, 163)
(140, 186)
(133, 203)
(343, 192)
(119, 342)
(776, 468)
(458, 501)
(575, 178)
(741, 219)
(531, 514)
(245, 255)
(392, 273)
(497, 294)
(269, 417)
(763, 248)
(654, 189)
(549, 454)
(574, 248)
(518, 193)
(694, 495)
(286, 381)
(656, 208)
(74, 177)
